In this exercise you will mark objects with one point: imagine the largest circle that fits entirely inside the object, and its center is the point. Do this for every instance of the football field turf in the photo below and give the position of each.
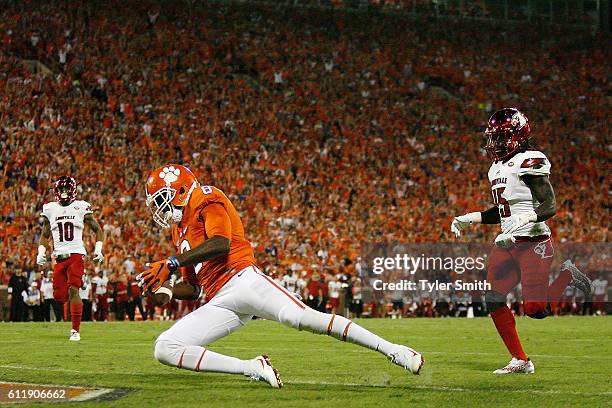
(572, 356)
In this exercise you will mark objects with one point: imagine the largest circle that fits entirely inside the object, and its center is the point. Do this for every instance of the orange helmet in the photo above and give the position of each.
(168, 190)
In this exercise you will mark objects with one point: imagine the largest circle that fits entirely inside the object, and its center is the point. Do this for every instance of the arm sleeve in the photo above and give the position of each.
(216, 221)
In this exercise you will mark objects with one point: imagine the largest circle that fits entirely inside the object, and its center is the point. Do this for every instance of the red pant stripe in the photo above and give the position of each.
(180, 364)
(197, 367)
(284, 291)
(345, 332)
(331, 324)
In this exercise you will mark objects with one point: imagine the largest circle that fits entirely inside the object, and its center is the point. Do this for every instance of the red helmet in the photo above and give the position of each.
(507, 132)
(65, 190)
(168, 190)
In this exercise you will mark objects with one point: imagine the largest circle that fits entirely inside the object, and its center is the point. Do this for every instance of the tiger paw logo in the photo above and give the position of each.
(169, 174)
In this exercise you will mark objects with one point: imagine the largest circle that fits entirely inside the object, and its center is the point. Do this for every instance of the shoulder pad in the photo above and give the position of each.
(86, 207)
(46, 210)
(533, 162)
(209, 195)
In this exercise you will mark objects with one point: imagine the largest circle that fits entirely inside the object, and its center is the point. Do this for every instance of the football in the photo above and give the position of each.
(159, 297)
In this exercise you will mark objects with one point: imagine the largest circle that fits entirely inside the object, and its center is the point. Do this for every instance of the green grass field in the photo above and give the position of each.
(572, 356)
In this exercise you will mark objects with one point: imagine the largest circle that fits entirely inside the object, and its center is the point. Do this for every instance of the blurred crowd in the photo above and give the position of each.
(328, 129)
(118, 297)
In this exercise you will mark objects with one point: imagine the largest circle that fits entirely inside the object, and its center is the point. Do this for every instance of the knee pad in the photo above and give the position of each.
(291, 316)
(536, 310)
(494, 300)
(168, 352)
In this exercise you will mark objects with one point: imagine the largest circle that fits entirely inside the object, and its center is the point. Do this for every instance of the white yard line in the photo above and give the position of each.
(351, 384)
(446, 389)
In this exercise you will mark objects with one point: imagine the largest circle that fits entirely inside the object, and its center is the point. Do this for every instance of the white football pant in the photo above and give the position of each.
(249, 293)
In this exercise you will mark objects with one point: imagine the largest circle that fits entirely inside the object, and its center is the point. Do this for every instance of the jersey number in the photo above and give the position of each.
(500, 202)
(66, 231)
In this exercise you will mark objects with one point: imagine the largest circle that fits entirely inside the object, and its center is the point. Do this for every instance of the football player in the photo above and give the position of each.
(66, 218)
(523, 200)
(212, 252)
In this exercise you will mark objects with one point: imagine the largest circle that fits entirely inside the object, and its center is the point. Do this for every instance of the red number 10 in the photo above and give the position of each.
(66, 231)
(502, 204)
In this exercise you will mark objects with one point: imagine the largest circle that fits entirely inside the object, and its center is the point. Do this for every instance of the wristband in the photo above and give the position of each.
(42, 250)
(173, 264)
(473, 217)
(98, 248)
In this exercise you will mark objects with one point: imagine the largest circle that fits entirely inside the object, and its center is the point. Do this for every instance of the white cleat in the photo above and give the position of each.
(74, 335)
(408, 358)
(517, 366)
(260, 369)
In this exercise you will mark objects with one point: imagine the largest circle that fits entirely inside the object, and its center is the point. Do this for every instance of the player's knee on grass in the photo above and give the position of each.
(494, 300)
(536, 310)
(168, 352)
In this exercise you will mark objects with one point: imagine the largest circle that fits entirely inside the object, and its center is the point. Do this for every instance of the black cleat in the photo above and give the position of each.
(579, 280)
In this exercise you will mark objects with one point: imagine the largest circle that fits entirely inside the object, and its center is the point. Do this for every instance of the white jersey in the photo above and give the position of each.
(290, 283)
(600, 287)
(67, 223)
(512, 195)
(101, 284)
(333, 288)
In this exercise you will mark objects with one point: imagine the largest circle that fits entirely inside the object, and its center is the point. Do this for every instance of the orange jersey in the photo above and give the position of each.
(209, 213)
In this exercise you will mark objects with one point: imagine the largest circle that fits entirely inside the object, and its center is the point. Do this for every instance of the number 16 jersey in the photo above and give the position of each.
(510, 193)
(67, 223)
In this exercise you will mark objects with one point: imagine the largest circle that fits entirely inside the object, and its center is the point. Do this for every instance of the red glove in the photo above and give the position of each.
(157, 273)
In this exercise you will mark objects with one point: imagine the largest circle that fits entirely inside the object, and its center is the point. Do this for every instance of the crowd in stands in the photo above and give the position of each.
(327, 129)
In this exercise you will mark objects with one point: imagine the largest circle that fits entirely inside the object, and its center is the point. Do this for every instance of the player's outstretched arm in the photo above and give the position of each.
(43, 242)
(218, 227)
(542, 190)
(97, 229)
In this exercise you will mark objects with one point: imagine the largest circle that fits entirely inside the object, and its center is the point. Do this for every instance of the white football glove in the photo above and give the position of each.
(461, 222)
(517, 221)
(41, 258)
(504, 241)
(97, 256)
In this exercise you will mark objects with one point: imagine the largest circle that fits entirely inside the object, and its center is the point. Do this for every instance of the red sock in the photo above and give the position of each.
(65, 311)
(555, 290)
(506, 327)
(76, 311)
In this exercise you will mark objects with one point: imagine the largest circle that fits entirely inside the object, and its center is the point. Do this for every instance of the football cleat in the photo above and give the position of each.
(517, 366)
(407, 358)
(260, 369)
(74, 335)
(579, 280)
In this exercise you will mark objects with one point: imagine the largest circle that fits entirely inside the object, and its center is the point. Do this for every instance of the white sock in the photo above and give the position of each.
(198, 358)
(343, 329)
